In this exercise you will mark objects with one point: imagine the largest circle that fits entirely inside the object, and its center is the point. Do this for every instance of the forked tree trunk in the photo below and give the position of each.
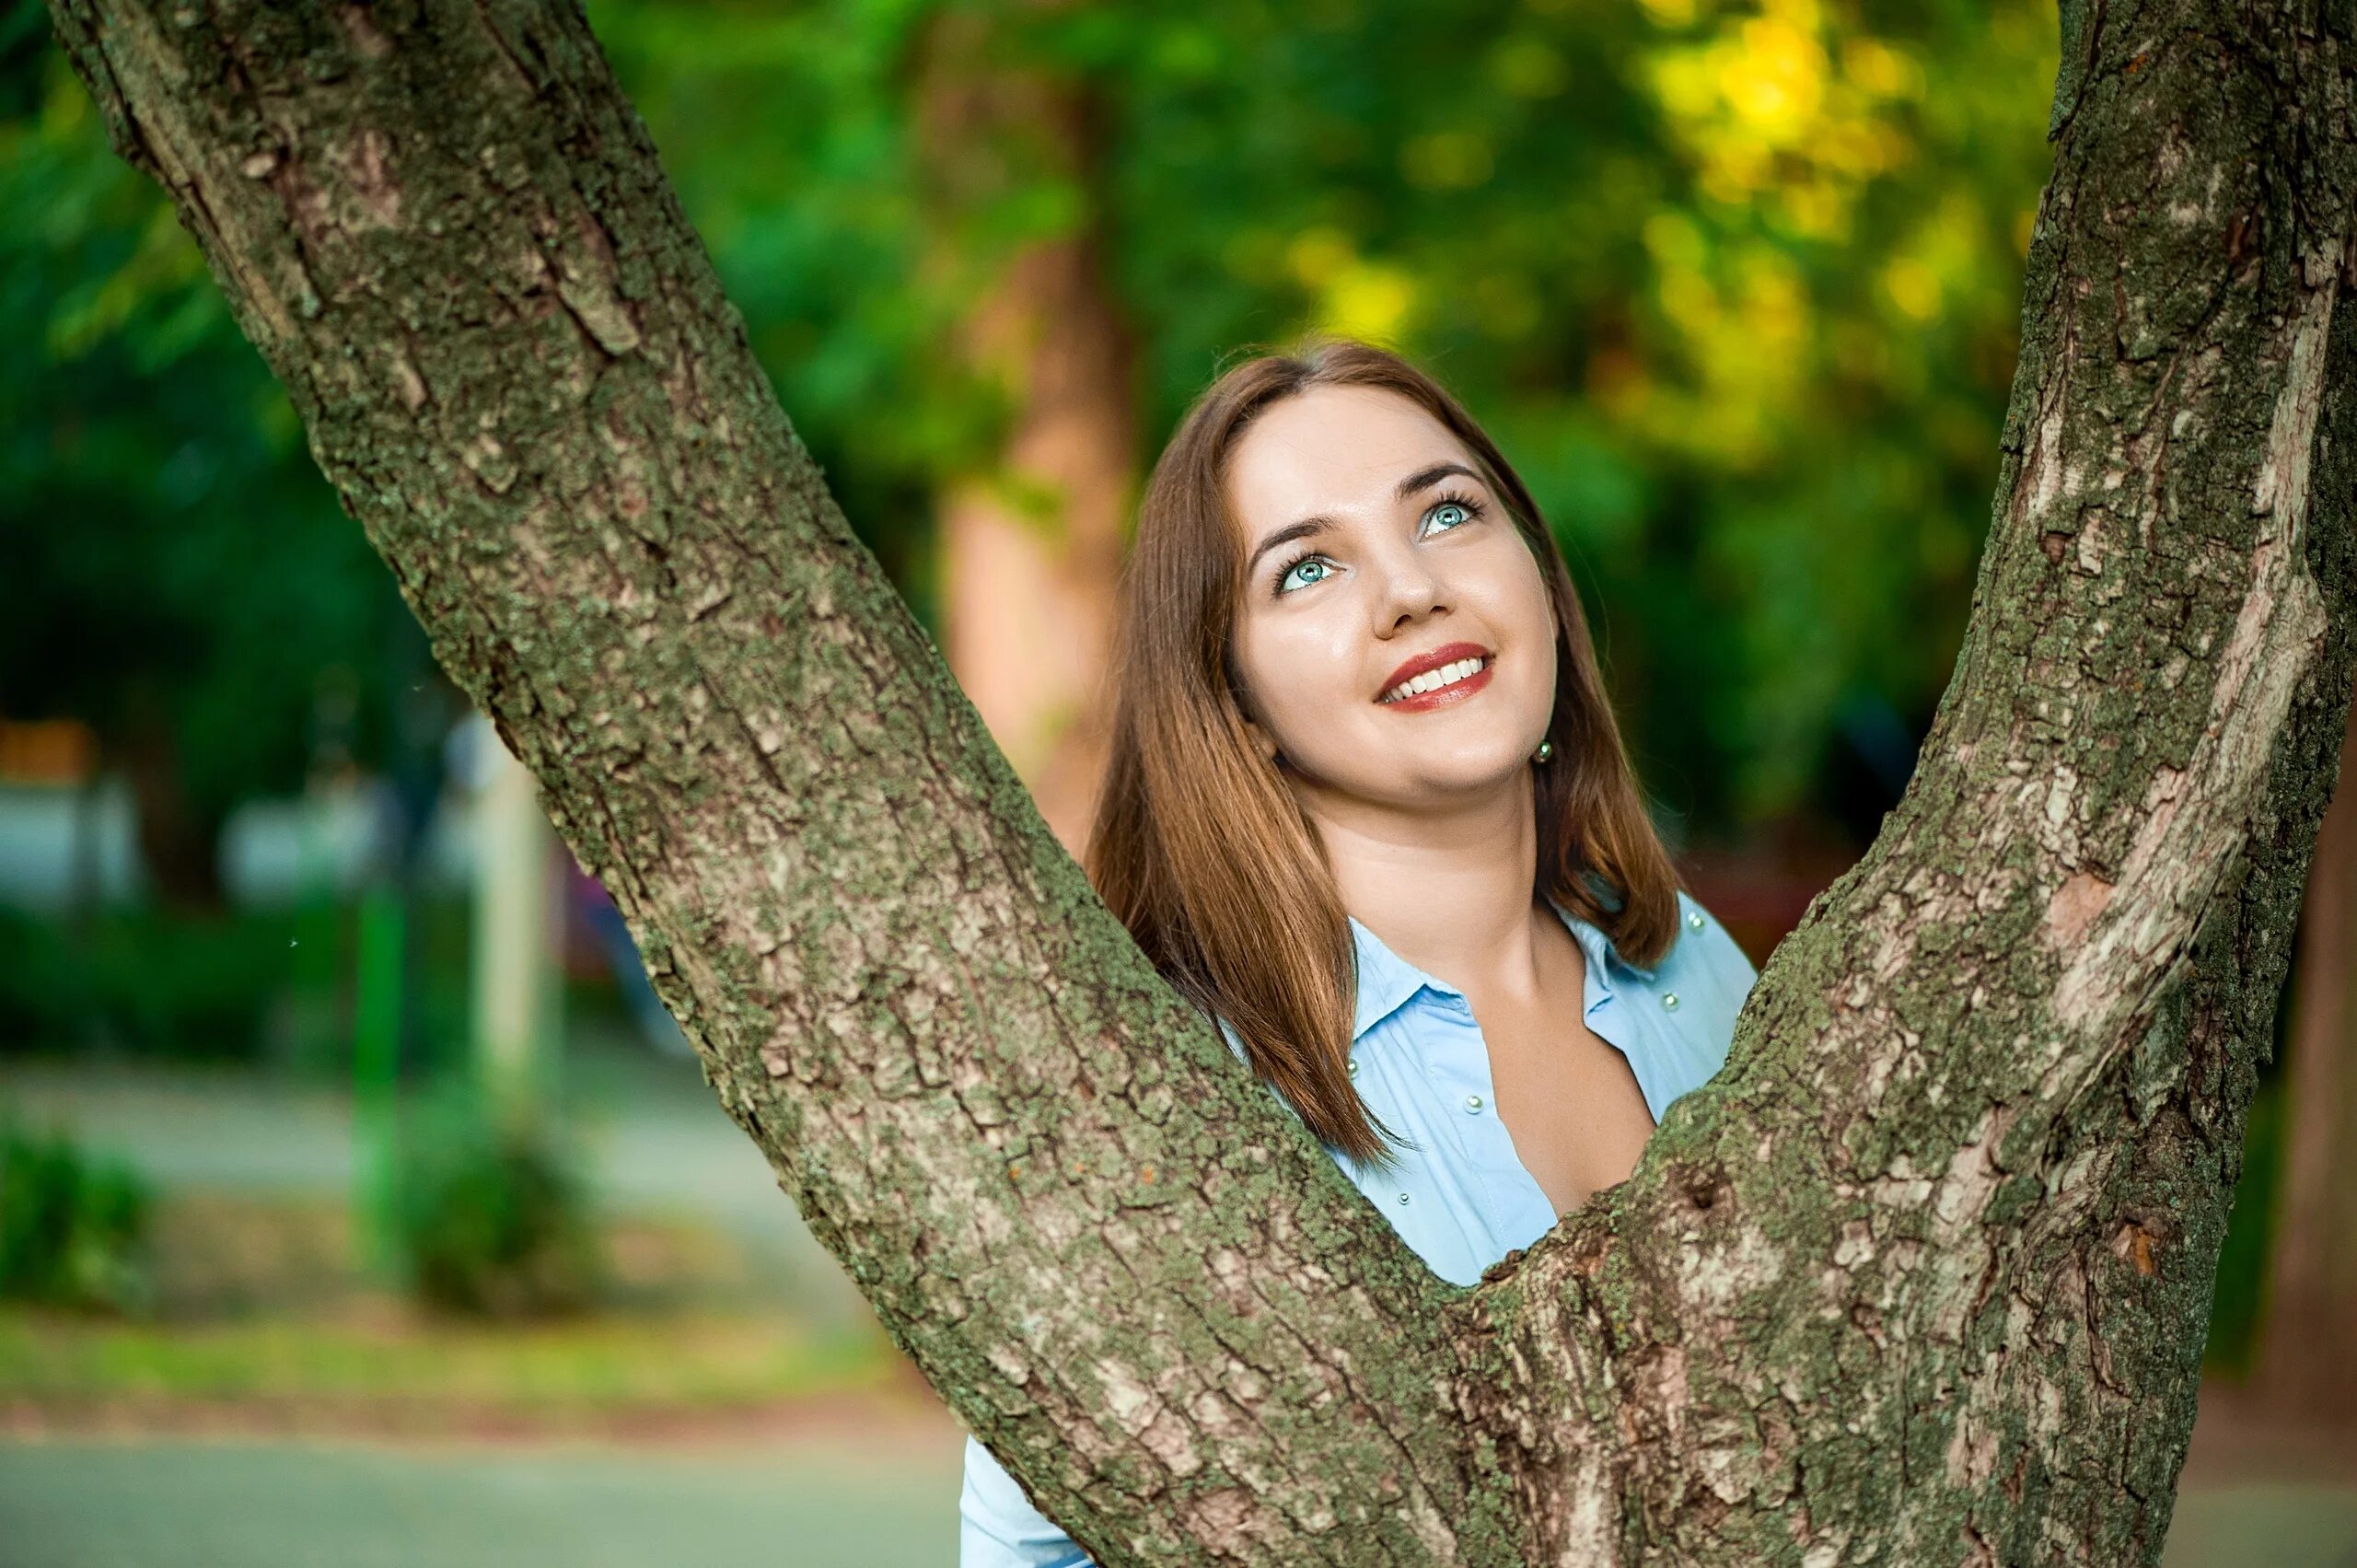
(1920, 1277)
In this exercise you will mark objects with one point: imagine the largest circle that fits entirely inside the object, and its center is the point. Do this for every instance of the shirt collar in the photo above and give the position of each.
(1601, 953)
(1386, 981)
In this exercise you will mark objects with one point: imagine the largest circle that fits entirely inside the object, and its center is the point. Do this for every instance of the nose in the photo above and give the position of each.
(1407, 590)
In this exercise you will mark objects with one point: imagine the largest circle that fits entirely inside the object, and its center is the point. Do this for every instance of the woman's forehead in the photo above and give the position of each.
(1331, 447)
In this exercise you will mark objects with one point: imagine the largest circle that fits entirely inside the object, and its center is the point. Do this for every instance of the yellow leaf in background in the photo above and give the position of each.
(1913, 286)
(1529, 67)
(1446, 160)
(1876, 67)
(1368, 300)
(1318, 254)
(1775, 80)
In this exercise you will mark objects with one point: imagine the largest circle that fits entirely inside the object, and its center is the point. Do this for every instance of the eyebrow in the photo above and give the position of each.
(1423, 478)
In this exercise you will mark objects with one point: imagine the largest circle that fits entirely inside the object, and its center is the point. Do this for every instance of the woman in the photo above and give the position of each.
(1368, 808)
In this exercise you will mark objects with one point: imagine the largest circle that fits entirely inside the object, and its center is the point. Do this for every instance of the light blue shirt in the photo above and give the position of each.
(1459, 1197)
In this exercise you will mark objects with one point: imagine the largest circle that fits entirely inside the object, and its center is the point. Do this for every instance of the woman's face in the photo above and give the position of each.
(1371, 546)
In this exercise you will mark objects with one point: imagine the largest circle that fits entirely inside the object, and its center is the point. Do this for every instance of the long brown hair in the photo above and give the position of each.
(1201, 850)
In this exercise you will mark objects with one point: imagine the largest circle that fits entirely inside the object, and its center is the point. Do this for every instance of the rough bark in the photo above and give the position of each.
(1920, 1277)
(1032, 549)
(2307, 1354)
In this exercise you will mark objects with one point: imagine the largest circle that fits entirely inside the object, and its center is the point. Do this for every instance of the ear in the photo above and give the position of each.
(1263, 740)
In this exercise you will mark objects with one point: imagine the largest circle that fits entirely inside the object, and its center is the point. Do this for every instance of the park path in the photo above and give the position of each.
(879, 1493)
(243, 1504)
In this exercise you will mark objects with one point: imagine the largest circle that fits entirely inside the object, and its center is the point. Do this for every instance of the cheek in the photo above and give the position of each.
(1514, 595)
(1544, 646)
(1300, 668)
(1516, 604)
(1263, 661)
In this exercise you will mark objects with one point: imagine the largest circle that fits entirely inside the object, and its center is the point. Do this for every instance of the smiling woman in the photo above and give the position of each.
(1324, 527)
(1368, 808)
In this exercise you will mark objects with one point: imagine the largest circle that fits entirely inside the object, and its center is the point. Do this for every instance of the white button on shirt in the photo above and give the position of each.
(1456, 1194)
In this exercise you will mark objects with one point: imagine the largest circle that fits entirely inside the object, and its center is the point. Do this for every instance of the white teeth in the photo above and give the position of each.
(1433, 679)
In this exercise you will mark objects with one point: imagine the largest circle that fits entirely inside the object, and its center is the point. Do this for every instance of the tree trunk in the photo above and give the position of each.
(2307, 1368)
(180, 840)
(1031, 549)
(1922, 1276)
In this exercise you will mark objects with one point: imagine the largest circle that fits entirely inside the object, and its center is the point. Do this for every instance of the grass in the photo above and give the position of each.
(412, 1371)
(263, 1310)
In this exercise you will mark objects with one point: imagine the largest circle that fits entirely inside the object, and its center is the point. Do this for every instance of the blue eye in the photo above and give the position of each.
(1457, 509)
(1449, 511)
(1288, 576)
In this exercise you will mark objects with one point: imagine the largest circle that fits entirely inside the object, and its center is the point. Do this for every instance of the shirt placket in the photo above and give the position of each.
(1612, 1016)
(1465, 1100)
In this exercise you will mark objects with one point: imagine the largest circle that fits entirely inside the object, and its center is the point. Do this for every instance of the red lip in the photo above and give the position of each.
(1447, 653)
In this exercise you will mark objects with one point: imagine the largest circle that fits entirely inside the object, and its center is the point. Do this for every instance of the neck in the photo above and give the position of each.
(1450, 889)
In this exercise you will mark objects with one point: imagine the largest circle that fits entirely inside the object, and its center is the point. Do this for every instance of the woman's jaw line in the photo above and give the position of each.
(1479, 800)
(1462, 821)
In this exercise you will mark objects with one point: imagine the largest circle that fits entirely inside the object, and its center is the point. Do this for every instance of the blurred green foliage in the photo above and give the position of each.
(141, 981)
(184, 580)
(262, 984)
(445, 1373)
(1736, 284)
(491, 1216)
(73, 1228)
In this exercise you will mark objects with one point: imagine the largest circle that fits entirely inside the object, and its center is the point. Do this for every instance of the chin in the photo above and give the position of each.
(1476, 771)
